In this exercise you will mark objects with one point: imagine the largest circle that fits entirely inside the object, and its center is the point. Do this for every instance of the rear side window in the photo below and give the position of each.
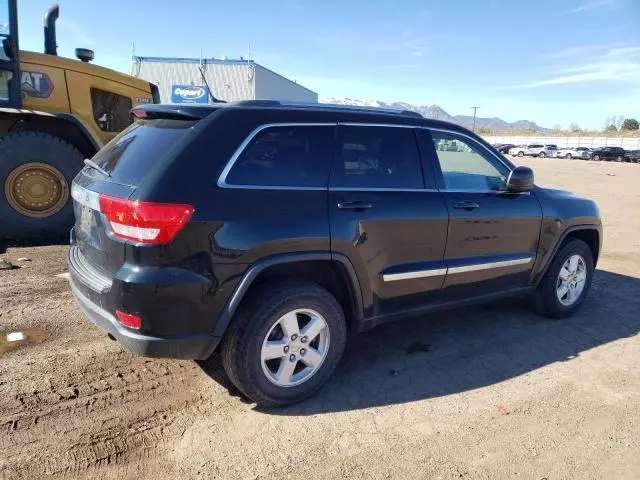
(130, 155)
(287, 156)
(110, 110)
(378, 157)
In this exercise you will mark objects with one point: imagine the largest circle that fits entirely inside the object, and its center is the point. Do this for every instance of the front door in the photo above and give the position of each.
(9, 56)
(387, 217)
(492, 235)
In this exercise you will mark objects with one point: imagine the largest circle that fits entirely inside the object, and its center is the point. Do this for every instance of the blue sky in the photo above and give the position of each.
(551, 61)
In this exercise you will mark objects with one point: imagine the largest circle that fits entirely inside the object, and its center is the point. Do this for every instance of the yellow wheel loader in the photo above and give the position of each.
(54, 113)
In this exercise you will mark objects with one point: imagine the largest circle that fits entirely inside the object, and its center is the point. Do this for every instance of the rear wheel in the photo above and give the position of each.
(565, 285)
(596, 158)
(619, 158)
(568, 156)
(36, 170)
(284, 342)
(542, 154)
(521, 154)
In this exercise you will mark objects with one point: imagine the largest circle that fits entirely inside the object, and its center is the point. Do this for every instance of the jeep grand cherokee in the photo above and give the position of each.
(269, 230)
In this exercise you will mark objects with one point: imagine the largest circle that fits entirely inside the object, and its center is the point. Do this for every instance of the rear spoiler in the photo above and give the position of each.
(173, 111)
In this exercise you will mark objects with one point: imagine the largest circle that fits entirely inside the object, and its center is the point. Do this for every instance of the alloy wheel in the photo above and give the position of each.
(571, 280)
(295, 347)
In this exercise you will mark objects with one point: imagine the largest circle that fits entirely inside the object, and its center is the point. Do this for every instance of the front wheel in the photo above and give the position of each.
(542, 155)
(285, 342)
(596, 158)
(565, 285)
(568, 156)
(521, 154)
(619, 158)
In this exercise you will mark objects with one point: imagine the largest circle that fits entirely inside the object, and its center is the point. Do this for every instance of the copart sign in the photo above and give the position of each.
(35, 84)
(189, 94)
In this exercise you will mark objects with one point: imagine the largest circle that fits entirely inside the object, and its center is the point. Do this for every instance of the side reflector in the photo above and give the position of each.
(129, 319)
(144, 222)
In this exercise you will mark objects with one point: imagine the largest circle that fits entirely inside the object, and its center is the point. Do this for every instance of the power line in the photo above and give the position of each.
(474, 118)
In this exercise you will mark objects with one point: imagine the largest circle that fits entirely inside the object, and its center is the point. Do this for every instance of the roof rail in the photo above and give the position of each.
(326, 106)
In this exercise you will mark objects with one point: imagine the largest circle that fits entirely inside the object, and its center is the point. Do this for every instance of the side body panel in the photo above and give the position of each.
(62, 85)
(43, 88)
(563, 212)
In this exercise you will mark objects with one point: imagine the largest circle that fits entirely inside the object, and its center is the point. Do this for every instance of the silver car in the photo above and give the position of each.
(574, 152)
(535, 150)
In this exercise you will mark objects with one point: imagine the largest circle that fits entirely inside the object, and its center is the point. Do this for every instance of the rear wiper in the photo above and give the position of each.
(92, 164)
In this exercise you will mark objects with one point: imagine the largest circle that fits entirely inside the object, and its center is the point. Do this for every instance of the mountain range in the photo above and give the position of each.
(435, 111)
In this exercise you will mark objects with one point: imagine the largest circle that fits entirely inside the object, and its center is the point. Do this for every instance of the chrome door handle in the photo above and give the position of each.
(354, 206)
(465, 205)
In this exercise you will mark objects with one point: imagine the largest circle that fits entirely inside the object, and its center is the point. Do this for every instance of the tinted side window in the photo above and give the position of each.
(377, 157)
(297, 156)
(110, 110)
(466, 166)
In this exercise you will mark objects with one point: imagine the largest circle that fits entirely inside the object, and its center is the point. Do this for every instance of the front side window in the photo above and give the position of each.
(467, 166)
(378, 157)
(292, 156)
(110, 110)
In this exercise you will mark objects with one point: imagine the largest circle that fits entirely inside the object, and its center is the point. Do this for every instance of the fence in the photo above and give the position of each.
(591, 142)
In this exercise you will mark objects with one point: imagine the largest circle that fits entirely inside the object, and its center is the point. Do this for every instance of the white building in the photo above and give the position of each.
(229, 80)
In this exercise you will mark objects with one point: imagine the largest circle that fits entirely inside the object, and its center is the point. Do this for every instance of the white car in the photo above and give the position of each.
(535, 150)
(574, 152)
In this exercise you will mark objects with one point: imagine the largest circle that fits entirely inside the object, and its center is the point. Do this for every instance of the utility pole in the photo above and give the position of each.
(474, 118)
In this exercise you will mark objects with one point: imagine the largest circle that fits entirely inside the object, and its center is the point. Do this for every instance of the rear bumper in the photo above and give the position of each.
(196, 347)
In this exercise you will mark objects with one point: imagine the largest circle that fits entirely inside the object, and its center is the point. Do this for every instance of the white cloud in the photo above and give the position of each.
(593, 4)
(614, 65)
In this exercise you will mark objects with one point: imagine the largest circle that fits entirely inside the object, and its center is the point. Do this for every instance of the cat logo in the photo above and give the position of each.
(36, 84)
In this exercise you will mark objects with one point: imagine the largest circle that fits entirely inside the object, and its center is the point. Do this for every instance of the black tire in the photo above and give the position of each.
(596, 158)
(619, 158)
(521, 154)
(16, 149)
(542, 154)
(243, 340)
(545, 300)
(568, 156)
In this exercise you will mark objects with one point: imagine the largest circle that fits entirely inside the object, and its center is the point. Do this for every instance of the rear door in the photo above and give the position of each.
(492, 235)
(9, 60)
(387, 217)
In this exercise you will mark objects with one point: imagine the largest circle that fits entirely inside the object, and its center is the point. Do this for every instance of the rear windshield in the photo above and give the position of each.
(130, 155)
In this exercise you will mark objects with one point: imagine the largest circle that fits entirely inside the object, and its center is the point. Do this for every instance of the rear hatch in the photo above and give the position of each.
(105, 218)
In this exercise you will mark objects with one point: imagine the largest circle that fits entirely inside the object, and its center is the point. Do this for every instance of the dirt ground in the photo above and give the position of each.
(488, 392)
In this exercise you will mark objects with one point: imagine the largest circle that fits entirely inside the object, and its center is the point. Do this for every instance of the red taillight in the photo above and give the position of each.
(129, 319)
(139, 112)
(145, 222)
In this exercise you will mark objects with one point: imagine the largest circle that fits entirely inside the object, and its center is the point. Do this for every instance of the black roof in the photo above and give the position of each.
(312, 112)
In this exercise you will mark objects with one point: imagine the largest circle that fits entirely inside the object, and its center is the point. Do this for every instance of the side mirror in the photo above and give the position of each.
(520, 180)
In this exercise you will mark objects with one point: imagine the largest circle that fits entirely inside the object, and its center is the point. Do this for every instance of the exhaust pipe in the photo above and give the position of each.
(50, 46)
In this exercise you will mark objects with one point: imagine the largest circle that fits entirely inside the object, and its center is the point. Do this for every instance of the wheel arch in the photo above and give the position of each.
(332, 271)
(590, 234)
(61, 125)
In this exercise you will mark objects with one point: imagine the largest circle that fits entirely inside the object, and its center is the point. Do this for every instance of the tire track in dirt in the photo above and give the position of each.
(116, 408)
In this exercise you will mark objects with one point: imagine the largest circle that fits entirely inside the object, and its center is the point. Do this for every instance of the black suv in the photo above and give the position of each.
(270, 230)
(618, 154)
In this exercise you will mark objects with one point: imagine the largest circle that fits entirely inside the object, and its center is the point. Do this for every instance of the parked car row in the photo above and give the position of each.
(617, 154)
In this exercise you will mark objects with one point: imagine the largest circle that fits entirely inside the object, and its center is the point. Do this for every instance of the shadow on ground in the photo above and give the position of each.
(466, 349)
(5, 244)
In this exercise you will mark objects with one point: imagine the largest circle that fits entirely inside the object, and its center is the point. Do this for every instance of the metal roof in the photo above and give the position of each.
(204, 61)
